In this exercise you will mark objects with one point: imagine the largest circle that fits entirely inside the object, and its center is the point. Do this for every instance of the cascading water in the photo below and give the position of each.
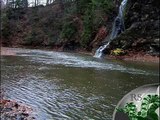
(118, 27)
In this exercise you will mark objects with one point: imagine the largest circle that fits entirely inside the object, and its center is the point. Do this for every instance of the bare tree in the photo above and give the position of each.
(25, 3)
(21, 3)
(47, 2)
(10, 3)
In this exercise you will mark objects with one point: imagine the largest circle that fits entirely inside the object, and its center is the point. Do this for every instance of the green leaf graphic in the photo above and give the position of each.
(149, 105)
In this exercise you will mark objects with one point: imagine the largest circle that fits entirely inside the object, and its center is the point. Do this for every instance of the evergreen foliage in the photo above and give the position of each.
(69, 30)
(45, 25)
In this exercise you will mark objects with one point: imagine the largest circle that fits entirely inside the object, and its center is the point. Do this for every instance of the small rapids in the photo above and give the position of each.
(70, 60)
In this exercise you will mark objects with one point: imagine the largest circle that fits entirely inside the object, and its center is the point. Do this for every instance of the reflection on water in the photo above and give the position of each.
(71, 86)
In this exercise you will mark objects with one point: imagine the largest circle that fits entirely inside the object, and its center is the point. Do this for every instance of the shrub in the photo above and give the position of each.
(118, 52)
(68, 30)
(6, 29)
(34, 37)
(88, 26)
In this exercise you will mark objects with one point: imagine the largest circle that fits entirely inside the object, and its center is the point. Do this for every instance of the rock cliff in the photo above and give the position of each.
(142, 27)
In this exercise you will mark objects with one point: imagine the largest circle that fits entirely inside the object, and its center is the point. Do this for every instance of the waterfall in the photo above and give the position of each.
(118, 27)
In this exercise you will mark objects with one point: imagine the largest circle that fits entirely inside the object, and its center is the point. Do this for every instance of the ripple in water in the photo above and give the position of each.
(69, 60)
(62, 86)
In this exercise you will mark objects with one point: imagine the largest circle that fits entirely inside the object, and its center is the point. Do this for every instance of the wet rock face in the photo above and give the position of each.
(100, 36)
(142, 27)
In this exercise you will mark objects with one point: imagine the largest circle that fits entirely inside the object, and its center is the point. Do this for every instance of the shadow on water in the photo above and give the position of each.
(71, 86)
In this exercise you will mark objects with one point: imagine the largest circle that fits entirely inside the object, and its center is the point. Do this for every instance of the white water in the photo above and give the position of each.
(68, 86)
(75, 61)
(99, 51)
(118, 27)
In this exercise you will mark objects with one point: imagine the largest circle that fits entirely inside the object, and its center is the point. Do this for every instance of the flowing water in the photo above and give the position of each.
(118, 27)
(69, 86)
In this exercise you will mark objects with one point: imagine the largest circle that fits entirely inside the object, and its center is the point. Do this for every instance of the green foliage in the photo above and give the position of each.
(90, 17)
(149, 105)
(88, 26)
(68, 30)
(6, 28)
(105, 5)
(34, 37)
(82, 5)
(17, 3)
(30, 38)
(93, 13)
(82, 20)
(71, 9)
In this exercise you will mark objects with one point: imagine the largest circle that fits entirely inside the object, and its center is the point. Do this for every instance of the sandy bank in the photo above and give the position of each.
(7, 51)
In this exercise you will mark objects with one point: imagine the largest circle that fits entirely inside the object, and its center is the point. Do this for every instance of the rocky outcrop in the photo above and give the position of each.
(12, 110)
(142, 27)
(100, 36)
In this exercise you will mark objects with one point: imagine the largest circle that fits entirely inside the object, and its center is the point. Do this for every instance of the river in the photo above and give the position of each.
(71, 86)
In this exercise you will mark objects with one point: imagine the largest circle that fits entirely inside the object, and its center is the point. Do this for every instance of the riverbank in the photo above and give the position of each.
(131, 56)
(7, 51)
(45, 80)
(139, 57)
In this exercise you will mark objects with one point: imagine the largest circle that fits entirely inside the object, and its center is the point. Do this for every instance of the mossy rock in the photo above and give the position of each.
(118, 52)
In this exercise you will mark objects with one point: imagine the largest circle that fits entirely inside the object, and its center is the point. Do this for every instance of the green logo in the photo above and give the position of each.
(142, 103)
(149, 105)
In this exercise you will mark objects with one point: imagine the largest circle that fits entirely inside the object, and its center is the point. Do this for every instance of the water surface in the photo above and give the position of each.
(68, 86)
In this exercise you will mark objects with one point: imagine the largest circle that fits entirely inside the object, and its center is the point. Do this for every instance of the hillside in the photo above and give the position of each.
(82, 25)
